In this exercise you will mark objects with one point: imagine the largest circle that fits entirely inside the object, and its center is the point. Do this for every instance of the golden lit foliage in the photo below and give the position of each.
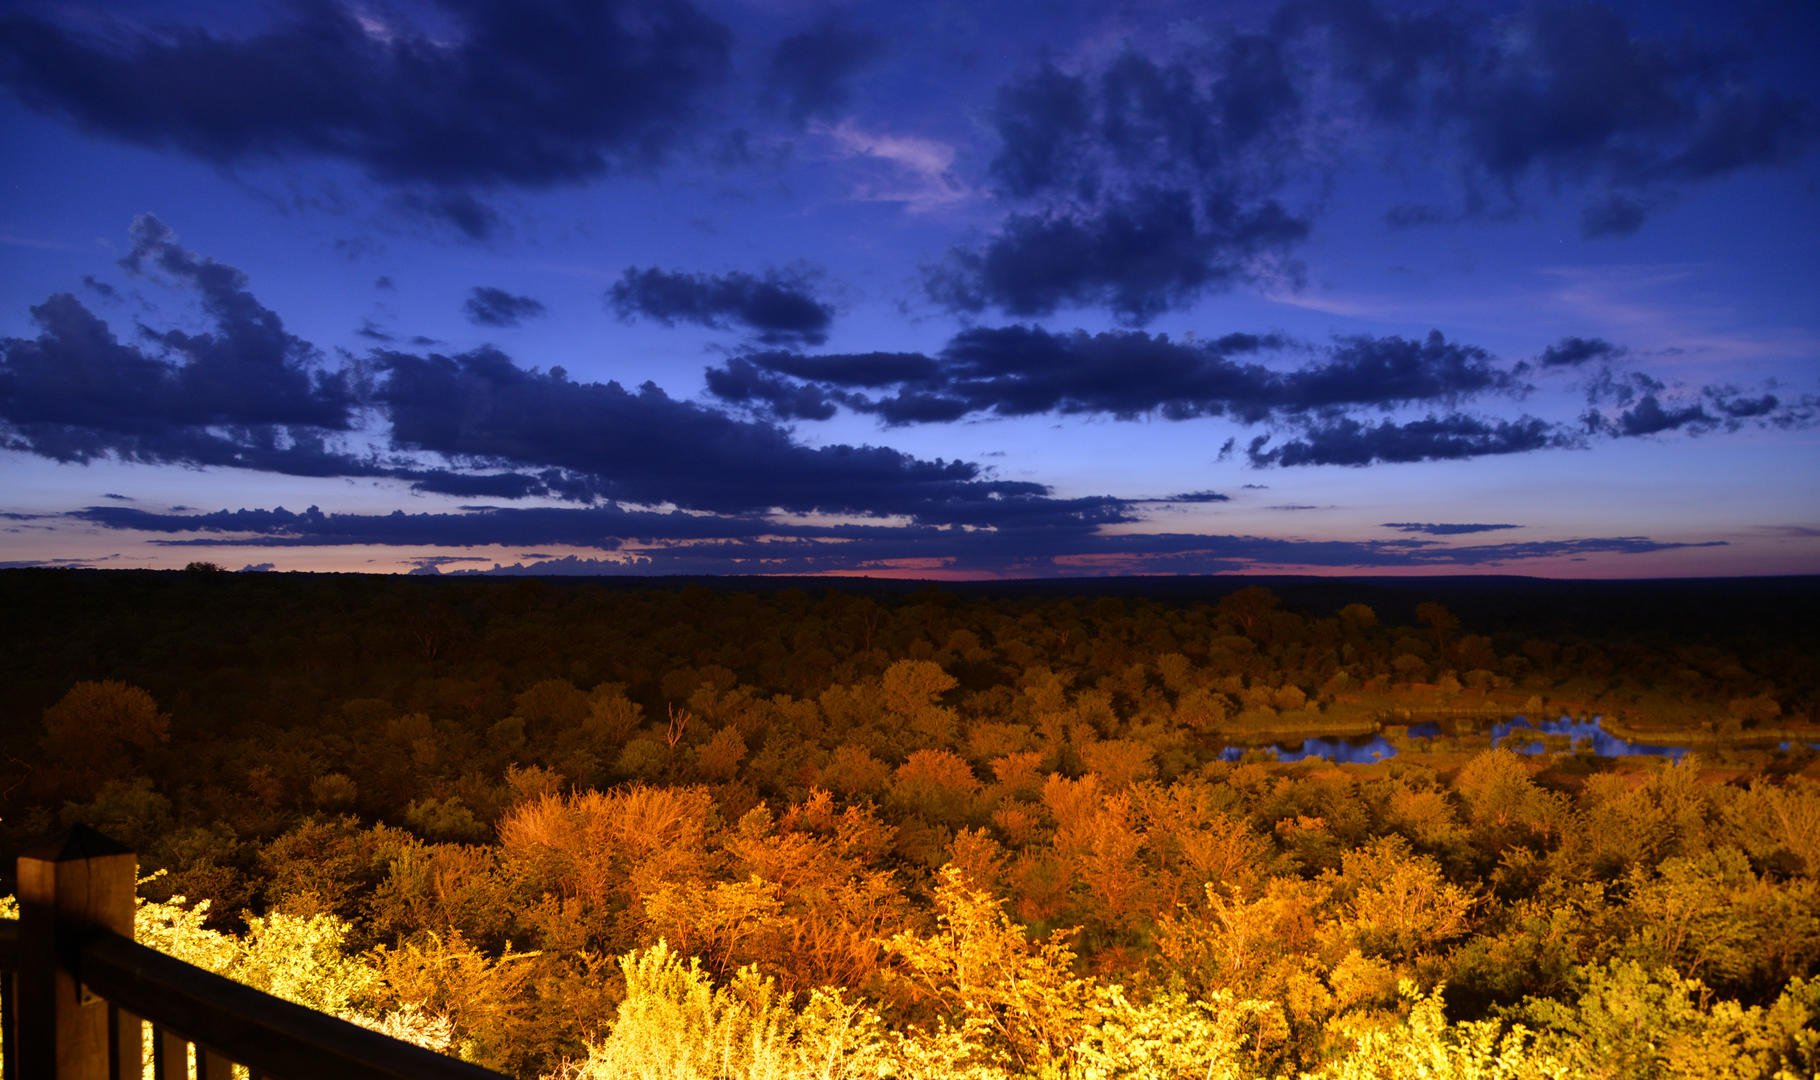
(938, 784)
(587, 858)
(977, 973)
(304, 960)
(675, 1024)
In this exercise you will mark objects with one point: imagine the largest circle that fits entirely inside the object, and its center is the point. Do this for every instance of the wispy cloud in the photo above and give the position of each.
(1669, 309)
(909, 169)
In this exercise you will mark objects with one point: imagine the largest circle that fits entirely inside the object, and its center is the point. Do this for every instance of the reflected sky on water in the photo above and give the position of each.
(1518, 734)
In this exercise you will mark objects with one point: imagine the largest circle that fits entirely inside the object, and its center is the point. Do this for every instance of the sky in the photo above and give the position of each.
(911, 288)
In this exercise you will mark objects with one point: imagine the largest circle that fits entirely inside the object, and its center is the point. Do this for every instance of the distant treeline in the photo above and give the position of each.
(219, 649)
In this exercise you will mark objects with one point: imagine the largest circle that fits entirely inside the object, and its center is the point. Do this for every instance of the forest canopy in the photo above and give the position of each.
(594, 829)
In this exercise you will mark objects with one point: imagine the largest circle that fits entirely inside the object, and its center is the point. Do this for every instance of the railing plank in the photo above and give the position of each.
(275, 1037)
(9, 1031)
(170, 1055)
(212, 1065)
(9, 1000)
(126, 1044)
(77, 884)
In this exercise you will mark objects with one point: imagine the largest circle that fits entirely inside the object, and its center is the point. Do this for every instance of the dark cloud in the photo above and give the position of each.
(1142, 185)
(1573, 351)
(101, 288)
(248, 394)
(521, 92)
(250, 370)
(1144, 182)
(1723, 407)
(1487, 554)
(1393, 369)
(1563, 92)
(517, 527)
(245, 393)
(1345, 441)
(643, 446)
(488, 306)
(1613, 215)
(852, 370)
(1648, 417)
(1429, 528)
(471, 218)
(742, 382)
(497, 485)
(1608, 386)
(1026, 370)
(908, 407)
(1419, 215)
(778, 309)
(116, 496)
(810, 72)
(1192, 119)
(1727, 401)
(1397, 60)
(1766, 409)
(678, 543)
(1045, 122)
(1138, 255)
(1740, 126)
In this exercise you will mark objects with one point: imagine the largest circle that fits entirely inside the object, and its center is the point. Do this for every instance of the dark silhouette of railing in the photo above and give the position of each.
(78, 994)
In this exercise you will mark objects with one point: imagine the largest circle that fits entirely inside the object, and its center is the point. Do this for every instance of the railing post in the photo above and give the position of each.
(77, 882)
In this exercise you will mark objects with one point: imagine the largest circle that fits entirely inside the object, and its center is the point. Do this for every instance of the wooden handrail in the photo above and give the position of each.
(78, 991)
(270, 1036)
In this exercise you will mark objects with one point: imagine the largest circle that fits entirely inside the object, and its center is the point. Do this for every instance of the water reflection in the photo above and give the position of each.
(1519, 734)
(1358, 751)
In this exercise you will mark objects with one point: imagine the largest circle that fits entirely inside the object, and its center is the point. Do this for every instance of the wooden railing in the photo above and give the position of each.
(79, 997)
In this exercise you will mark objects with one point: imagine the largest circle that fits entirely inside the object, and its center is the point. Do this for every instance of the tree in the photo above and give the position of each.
(1247, 608)
(938, 784)
(109, 714)
(100, 733)
(675, 1024)
(911, 689)
(1019, 1000)
(1441, 624)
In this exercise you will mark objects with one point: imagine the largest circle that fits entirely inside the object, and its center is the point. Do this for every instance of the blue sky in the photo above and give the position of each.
(951, 290)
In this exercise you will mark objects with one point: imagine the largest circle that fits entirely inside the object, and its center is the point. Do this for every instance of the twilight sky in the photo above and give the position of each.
(930, 288)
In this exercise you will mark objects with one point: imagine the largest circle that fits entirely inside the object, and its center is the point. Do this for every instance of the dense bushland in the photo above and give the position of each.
(608, 829)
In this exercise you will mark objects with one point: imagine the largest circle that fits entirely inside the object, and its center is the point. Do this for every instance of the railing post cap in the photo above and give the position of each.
(74, 844)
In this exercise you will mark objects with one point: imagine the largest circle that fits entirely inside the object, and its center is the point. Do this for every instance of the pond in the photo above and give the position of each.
(1517, 734)
(1522, 736)
(1362, 750)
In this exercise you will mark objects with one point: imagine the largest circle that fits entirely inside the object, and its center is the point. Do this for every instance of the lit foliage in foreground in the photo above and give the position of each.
(1003, 1007)
(1008, 1007)
(304, 959)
